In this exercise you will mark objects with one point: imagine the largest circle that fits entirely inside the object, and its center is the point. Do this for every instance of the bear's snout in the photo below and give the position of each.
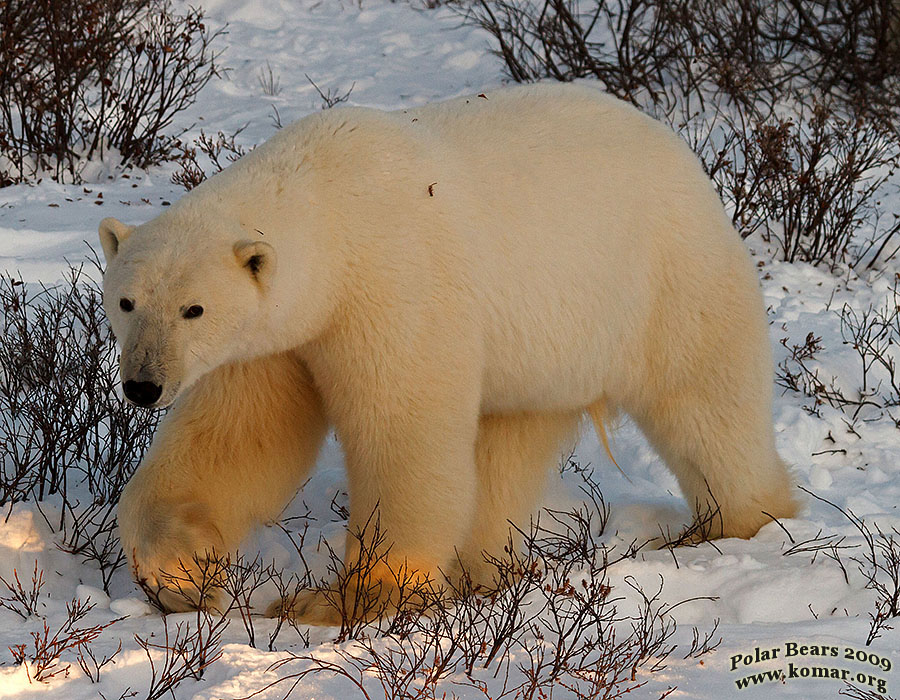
(142, 393)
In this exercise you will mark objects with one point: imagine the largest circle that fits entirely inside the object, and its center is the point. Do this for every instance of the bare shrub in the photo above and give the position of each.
(702, 646)
(269, 82)
(43, 662)
(550, 621)
(340, 506)
(551, 608)
(851, 47)
(433, 4)
(829, 545)
(192, 648)
(89, 531)
(814, 183)
(747, 49)
(80, 79)
(21, 600)
(90, 665)
(705, 526)
(557, 39)
(558, 635)
(276, 118)
(857, 693)
(758, 52)
(199, 582)
(217, 586)
(62, 424)
(185, 654)
(243, 579)
(217, 151)
(331, 97)
(879, 564)
(874, 334)
(798, 373)
(298, 537)
(354, 589)
(289, 588)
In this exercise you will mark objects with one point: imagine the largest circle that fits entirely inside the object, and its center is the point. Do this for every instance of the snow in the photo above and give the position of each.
(394, 55)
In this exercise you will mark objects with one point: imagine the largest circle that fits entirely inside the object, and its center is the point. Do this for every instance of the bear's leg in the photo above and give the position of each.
(703, 392)
(230, 454)
(410, 456)
(513, 454)
(412, 495)
(723, 454)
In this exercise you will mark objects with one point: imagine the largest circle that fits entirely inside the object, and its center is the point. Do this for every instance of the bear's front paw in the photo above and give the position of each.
(176, 553)
(185, 583)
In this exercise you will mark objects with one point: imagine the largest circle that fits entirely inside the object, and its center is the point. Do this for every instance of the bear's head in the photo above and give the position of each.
(180, 304)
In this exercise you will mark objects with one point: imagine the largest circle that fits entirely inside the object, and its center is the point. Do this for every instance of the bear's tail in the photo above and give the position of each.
(601, 415)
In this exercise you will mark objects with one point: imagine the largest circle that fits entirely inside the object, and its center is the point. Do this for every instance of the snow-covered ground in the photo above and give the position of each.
(394, 56)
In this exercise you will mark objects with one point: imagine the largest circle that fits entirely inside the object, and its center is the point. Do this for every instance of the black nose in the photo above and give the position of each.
(142, 393)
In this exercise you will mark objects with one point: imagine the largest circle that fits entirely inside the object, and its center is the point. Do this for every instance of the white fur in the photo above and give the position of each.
(451, 287)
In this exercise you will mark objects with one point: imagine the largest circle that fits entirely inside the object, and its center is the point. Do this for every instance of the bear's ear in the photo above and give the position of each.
(257, 257)
(112, 233)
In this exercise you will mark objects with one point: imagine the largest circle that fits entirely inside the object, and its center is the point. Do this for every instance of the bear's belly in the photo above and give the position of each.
(507, 392)
(562, 364)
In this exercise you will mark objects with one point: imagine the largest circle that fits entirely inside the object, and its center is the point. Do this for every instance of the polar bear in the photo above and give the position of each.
(451, 287)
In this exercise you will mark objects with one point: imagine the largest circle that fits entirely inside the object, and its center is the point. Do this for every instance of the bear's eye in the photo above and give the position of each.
(193, 311)
(126, 304)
